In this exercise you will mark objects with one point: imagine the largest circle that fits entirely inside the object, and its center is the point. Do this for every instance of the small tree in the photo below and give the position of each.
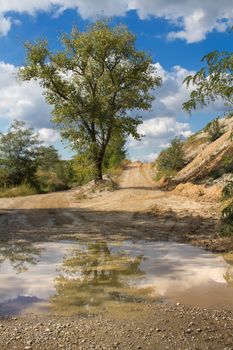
(18, 154)
(214, 130)
(92, 85)
(171, 159)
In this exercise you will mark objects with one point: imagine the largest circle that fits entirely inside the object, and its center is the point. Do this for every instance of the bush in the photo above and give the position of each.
(227, 191)
(170, 160)
(214, 130)
(21, 190)
(226, 228)
(49, 181)
(83, 168)
(227, 164)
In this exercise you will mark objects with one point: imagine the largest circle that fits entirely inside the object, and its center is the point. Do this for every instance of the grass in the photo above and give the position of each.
(21, 190)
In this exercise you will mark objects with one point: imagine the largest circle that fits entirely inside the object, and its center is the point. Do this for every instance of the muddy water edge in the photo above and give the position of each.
(104, 294)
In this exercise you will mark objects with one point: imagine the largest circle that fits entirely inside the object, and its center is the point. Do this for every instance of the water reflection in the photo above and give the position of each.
(20, 254)
(69, 277)
(96, 273)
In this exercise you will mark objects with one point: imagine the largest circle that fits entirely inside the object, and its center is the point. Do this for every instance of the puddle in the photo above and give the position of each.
(73, 277)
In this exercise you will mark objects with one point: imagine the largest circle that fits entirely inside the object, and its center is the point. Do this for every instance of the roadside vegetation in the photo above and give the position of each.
(28, 166)
(170, 160)
(214, 130)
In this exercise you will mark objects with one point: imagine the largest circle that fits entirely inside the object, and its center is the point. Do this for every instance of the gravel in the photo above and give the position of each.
(153, 326)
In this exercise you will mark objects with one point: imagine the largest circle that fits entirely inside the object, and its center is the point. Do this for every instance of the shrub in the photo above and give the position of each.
(226, 228)
(214, 130)
(49, 181)
(227, 191)
(170, 160)
(21, 190)
(227, 164)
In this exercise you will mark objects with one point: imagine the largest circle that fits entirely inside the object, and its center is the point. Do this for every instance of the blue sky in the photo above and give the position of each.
(176, 34)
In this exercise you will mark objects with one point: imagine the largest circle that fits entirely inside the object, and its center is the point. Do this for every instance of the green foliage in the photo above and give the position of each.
(57, 178)
(227, 191)
(21, 190)
(18, 153)
(227, 164)
(27, 166)
(170, 160)
(93, 84)
(214, 130)
(84, 170)
(227, 220)
(215, 81)
(47, 158)
(115, 152)
(53, 174)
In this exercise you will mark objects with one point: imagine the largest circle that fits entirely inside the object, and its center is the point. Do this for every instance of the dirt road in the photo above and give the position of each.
(137, 209)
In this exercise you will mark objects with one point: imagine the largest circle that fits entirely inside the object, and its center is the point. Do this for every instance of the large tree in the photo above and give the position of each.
(212, 82)
(93, 84)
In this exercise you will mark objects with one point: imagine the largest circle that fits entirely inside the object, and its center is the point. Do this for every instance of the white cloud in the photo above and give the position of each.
(172, 94)
(48, 135)
(5, 25)
(157, 133)
(194, 18)
(22, 101)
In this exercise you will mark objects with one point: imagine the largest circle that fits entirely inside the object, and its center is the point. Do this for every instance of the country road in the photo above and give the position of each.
(137, 209)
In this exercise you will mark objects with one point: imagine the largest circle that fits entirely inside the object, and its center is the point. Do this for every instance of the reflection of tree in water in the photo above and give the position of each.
(93, 275)
(228, 275)
(20, 254)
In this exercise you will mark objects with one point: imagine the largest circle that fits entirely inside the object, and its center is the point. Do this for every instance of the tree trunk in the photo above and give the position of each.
(99, 174)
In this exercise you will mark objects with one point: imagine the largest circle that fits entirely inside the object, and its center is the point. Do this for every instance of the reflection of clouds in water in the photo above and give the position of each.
(167, 267)
(38, 280)
(178, 266)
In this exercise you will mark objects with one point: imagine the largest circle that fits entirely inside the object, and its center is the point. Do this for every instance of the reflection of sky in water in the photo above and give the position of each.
(168, 267)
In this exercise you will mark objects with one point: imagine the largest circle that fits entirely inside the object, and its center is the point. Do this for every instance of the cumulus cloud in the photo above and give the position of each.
(5, 25)
(48, 135)
(157, 133)
(193, 19)
(172, 94)
(22, 101)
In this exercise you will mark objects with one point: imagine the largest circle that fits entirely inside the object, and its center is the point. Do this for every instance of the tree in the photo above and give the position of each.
(93, 84)
(18, 153)
(48, 157)
(215, 81)
(115, 152)
(214, 130)
(171, 159)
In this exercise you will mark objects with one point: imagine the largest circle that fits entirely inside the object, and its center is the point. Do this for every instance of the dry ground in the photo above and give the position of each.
(137, 209)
